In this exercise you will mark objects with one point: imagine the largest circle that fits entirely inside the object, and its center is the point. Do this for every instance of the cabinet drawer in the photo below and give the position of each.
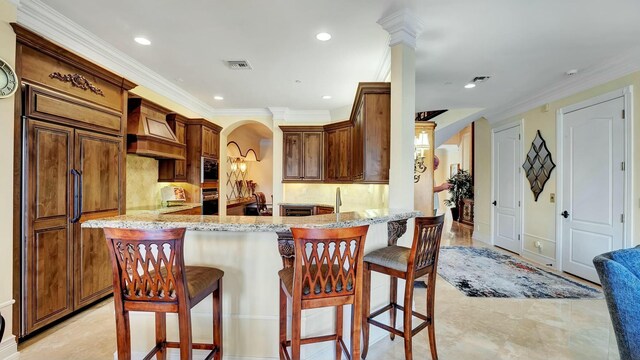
(49, 105)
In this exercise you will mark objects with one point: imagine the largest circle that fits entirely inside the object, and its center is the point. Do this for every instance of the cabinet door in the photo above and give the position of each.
(376, 135)
(292, 156)
(343, 155)
(207, 142)
(98, 158)
(312, 159)
(358, 146)
(46, 258)
(215, 144)
(180, 166)
(332, 155)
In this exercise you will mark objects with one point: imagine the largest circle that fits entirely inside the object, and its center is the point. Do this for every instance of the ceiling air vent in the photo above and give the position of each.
(478, 79)
(238, 64)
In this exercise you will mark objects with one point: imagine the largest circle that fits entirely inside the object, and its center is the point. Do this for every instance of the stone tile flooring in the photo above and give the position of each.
(466, 328)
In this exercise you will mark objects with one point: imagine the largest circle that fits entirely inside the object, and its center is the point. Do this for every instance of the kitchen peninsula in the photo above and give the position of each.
(251, 250)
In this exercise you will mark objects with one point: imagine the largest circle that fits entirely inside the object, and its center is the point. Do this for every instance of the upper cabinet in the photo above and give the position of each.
(302, 153)
(356, 150)
(175, 170)
(371, 119)
(337, 152)
(210, 142)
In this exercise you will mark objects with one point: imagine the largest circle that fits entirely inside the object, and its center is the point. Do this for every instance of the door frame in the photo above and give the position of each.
(505, 126)
(628, 199)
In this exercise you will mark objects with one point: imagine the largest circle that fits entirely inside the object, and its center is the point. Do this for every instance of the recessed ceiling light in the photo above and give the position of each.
(142, 41)
(470, 86)
(218, 97)
(571, 72)
(327, 97)
(323, 36)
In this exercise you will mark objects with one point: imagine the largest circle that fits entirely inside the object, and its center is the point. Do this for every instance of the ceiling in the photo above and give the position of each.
(525, 46)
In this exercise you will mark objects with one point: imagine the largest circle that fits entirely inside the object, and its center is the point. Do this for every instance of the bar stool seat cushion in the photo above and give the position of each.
(393, 257)
(286, 275)
(199, 278)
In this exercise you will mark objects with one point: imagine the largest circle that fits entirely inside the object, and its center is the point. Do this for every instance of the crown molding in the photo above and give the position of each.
(585, 80)
(285, 114)
(56, 27)
(403, 27)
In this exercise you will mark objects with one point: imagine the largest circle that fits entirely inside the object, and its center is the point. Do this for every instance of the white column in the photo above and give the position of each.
(279, 115)
(403, 28)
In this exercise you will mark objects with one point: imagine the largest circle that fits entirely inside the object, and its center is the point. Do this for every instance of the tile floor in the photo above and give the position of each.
(466, 328)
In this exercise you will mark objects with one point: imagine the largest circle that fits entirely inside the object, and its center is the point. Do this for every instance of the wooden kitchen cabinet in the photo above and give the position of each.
(175, 170)
(303, 149)
(210, 142)
(337, 150)
(371, 118)
(71, 170)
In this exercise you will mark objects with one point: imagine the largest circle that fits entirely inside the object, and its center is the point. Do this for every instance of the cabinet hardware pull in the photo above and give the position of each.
(77, 195)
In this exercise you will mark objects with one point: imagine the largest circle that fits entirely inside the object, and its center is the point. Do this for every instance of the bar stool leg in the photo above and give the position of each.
(296, 318)
(339, 328)
(123, 331)
(184, 324)
(217, 320)
(356, 328)
(366, 310)
(283, 322)
(161, 334)
(431, 329)
(408, 304)
(393, 298)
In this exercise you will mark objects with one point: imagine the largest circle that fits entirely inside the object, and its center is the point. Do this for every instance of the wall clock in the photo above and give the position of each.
(8, 80)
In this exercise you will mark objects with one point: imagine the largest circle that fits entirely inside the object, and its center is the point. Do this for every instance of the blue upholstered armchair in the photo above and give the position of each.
(619, 273)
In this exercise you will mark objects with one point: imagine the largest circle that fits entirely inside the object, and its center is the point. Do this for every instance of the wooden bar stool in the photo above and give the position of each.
(401, 262)
(149, 275)
(327, 271)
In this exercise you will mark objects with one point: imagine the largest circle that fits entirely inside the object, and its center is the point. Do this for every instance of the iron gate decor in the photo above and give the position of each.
(538, 165)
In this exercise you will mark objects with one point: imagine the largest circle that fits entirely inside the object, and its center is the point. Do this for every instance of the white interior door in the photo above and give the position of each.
(506, 183)
(593, 185)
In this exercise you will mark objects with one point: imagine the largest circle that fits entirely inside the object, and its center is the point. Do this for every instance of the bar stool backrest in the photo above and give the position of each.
(328, 262)
(261, 202)
(426, 242)
(148, 265)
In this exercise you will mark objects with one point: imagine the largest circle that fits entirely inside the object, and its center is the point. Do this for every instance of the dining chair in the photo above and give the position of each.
(327, 271)
(408, 264)
(149, 275)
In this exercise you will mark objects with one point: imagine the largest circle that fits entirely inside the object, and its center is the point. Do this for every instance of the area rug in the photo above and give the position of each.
(482, 272)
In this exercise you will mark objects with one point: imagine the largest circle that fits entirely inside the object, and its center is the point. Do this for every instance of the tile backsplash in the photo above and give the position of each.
(354, 196)
(142, 182)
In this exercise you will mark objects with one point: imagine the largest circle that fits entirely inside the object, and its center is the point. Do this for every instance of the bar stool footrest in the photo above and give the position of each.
(176, 345)
(426, 321)
(316, 339)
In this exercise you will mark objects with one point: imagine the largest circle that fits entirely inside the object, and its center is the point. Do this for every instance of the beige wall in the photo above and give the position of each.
(539, 220)
(8, 54)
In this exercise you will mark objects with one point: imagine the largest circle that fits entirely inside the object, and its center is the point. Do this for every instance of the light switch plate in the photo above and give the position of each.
(552, 198)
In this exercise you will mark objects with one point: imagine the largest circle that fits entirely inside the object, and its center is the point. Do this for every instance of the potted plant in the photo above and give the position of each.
(461, 188)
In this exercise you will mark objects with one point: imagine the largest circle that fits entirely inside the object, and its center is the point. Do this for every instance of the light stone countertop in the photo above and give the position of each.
(161, 209)
(152, 221)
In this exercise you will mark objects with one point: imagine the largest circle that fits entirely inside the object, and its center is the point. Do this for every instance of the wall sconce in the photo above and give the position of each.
(421, 143)
(238, 164)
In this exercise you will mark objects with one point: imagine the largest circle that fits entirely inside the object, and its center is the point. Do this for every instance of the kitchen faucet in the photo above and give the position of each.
(338, 200)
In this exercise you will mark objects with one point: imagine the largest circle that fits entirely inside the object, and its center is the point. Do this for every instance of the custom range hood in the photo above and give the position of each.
(148, 133)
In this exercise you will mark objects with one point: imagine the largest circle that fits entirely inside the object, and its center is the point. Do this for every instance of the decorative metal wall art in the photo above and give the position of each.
(538, 165)
(418, 168)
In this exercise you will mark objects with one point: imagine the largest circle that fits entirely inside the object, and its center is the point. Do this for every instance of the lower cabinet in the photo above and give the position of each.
(304, 209)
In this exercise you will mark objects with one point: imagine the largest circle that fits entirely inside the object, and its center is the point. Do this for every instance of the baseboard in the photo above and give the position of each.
(9, 348)
(540, 259)
(481, 237)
